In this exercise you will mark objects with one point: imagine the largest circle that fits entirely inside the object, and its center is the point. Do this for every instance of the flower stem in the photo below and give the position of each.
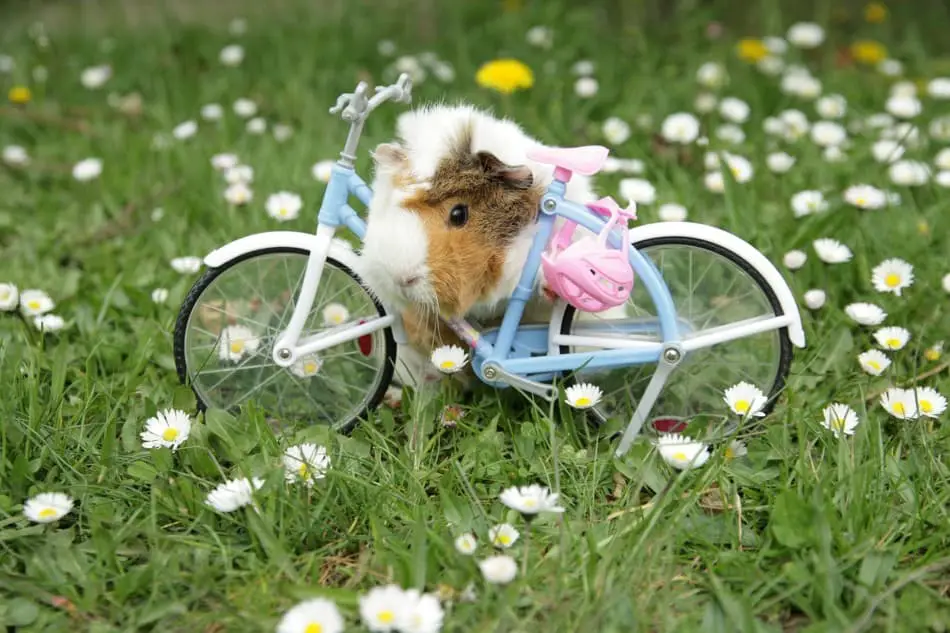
(527, 548)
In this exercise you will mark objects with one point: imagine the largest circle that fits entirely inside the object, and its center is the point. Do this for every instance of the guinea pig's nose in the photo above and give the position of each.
(409, 280)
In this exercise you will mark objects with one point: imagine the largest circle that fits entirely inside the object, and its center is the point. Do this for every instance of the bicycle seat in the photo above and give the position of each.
(586, 160)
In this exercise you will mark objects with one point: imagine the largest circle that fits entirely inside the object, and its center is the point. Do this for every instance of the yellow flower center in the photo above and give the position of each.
(237, 347)
(33, 305)
(742, 406)
(504, 539)
(313, 627)
(386, 617)
(20, 95)
(309, 367)
(447, 364)
(530, 503)
(932, 354)
(893, 343)
(735, 172)
(303, 471)
(899, 408)
(505, 75)
(680, 456)
(926, 406)
(729, 453)
(283, 212)
(169, 434)
(875, 12)
(583, 401)
(46, 513)
(868, 51)
(873, 364)
(751, 50)
(923, 227)
(892, 280)
(860, 201)
(837, 424)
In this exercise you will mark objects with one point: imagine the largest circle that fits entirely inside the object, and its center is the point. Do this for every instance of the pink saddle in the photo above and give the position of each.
(588, 274)
(586, 160)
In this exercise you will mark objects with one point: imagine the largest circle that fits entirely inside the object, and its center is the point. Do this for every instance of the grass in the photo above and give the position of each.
(806, 533)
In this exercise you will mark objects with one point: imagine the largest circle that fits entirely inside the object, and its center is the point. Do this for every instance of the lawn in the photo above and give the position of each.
(797, 528)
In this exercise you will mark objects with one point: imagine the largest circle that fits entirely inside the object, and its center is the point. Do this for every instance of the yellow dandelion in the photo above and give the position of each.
(20, 95)
(505, 75)
(751, 49)
(875, 12)
(869, 52)
(511, 6)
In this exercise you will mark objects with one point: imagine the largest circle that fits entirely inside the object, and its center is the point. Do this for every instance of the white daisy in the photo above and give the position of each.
(7, 64)
(904, 88)
(540, 36)
(939, 88)
(865, 313)
(87, 169)
(671, 212)
(865, 197)
(586, 87)
(465, 544)
(282, 132)
(504, 535)
(815, 298)
(805, 35)
(306, 462)
(887, 150)
(583, 396)
(705, 102)
(15, 156)
(35, 302)
(257, 125)
(449, 359)
(828, 134)
(233, 494)
(237, 26)
(942, 178)
(740, 167)
(800, 85)
(711, 75)
(160, 295)
(307, 366)
(236, 342)
(733, 109)
(907, 133)
(223, 162)
(47, 507)
(386, 48)
(498, 570)
(794, 259)
(808, 202)
(423, 613)
(942, 159)
(9, 297)
(231, 55)
(95, 77)
(794, 124)
(930, 402)
(316, 615)
(212, 112)
(945, 282)
(734, 450)
(529, 500)
(831, 251)
(157, 214)
(284, 205)
(779, 162)
(184, 131)
(903, 106)
(773, 126)
(616, 130)
(890, 68)
(832, 106)
(238, 194)
(49, 322)
(244, 108)
(682, 127)
(322, 170)
(771, 65)
(638, 190)
(745, 399)
(840, 419)
(729, 133)
(909, 173)
(168, 428)
(900, 403)
(186, 265)
(934, 352)
(381, 608)
(892, 338)
(715, 182)
(834, 154)
(681, 452)
(583, 68)
(874, 362)
(892, 275)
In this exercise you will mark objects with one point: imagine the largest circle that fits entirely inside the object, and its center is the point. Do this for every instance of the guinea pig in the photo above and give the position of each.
(452, 217)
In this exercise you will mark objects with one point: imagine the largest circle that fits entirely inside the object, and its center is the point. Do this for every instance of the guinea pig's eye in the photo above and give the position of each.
(458, 216)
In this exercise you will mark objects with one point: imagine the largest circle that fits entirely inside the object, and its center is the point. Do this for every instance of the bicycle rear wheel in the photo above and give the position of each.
(711, 287)
(230, 320)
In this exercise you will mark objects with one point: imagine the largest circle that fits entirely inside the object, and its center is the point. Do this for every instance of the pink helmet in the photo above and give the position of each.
(589, 274)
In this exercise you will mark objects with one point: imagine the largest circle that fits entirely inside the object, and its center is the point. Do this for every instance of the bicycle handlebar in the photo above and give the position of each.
(354, 106)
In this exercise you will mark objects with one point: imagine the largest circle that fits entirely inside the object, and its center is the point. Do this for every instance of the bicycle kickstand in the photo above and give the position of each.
(669, 359)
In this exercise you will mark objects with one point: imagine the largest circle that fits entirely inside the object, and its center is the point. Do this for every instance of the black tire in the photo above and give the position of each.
(211, 274)
(785, 345)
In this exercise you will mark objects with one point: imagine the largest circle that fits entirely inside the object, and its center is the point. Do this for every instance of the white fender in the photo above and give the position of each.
(340, 250)
(745, 251)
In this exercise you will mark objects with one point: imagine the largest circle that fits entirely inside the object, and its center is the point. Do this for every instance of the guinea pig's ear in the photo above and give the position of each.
(390, 157)
(514, 176)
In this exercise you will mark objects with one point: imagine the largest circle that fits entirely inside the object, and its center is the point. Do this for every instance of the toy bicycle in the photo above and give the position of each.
(281, 319)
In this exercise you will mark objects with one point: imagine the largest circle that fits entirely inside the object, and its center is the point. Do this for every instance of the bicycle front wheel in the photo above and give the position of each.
(711, 287)
(229, 322)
